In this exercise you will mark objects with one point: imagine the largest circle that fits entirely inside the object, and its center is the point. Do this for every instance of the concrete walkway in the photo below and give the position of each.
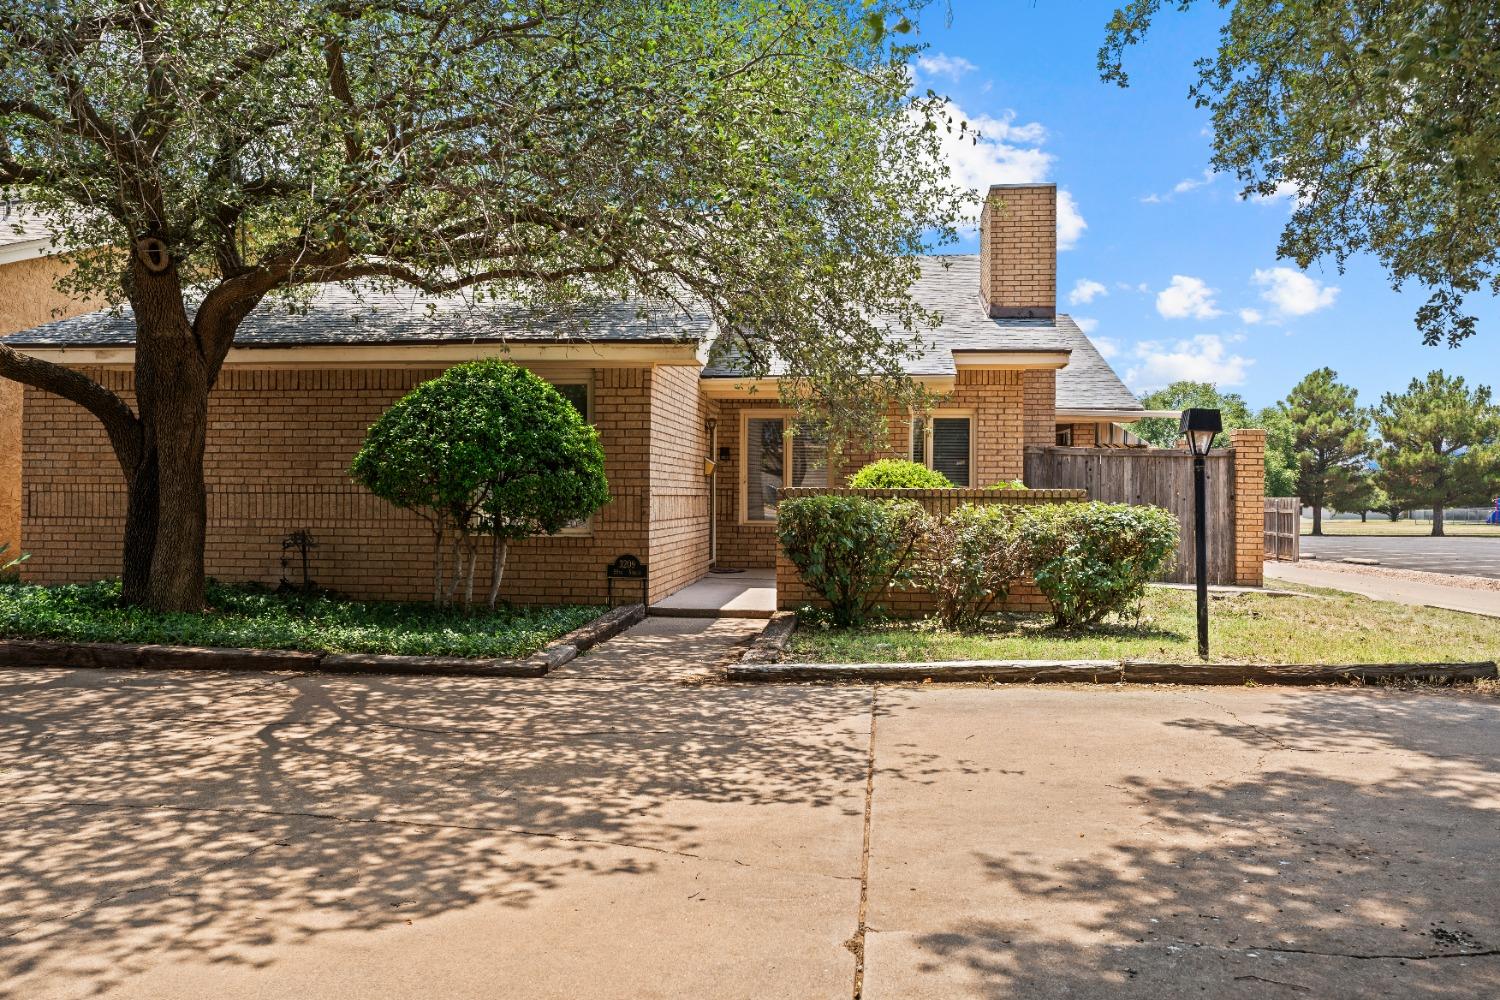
(750, 594)
(1381, 588)
(623, 830)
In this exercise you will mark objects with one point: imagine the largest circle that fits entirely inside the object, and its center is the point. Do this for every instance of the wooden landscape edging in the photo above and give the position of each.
(151, 656)
(1107, 672)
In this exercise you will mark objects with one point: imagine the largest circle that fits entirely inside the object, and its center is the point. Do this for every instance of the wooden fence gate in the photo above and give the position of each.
(1158, 477)
(1283, 528)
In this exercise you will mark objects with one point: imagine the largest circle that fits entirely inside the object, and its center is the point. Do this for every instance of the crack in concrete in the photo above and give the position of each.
(856, 943)
(1360, 956)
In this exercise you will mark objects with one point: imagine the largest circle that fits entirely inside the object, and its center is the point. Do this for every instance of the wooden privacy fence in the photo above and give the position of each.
(1283, 528)
(1160, 478)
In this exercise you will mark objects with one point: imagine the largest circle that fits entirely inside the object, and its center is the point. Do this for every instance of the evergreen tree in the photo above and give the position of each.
(1441, 445)
(1330, 438)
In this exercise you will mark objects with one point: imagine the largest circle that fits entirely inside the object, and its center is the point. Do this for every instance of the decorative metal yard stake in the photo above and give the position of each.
(1199, 426)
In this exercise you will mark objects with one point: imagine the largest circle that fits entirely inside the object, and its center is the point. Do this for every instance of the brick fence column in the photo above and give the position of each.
(1249, 446)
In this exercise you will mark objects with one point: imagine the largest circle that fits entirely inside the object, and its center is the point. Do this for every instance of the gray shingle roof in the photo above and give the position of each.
(17, 225)
(338, 314)
(949, 286)
(362, 314)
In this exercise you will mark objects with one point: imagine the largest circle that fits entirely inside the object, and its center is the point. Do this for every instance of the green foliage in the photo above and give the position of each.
(1441, 445)
(766, 159)
(898, 474)
(969, 558)
(1007, 484)
(1281, 452)
(850, 550)
(258, 618)
(10, 566)
(1095, 559)
(1381, 116)
(1184, 394)
(1331, 439)
(486, 448)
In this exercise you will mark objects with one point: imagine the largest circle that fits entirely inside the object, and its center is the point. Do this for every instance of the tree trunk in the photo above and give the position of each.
(497, 567)
(1317, 528)
(1364, 517)
(172, 382)
(1437, 520)
(437, 564)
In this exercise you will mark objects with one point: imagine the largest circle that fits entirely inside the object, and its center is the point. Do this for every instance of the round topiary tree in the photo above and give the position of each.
(898, 474)
(486, 448)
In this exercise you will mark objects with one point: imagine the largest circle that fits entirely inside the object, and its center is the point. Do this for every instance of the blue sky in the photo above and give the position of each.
(1173, 274)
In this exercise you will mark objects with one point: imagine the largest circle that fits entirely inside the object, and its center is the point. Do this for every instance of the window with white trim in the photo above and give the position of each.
(580, 394)
(769, 442)
(944, 442)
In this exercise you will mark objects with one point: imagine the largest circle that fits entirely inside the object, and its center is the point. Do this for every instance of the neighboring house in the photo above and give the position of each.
(300, 388)
(29, 269)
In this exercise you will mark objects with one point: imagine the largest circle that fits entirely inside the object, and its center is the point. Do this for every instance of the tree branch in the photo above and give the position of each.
(120, 422)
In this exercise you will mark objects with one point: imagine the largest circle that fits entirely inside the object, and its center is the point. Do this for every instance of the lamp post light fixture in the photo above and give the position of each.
(1199, 425)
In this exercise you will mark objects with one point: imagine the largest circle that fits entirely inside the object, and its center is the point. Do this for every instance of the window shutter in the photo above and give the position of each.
(950, 448)
(764, 465)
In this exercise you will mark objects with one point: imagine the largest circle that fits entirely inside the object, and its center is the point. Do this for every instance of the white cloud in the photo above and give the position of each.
(1293, 293)
(943, 65)
(1181, 187)
(1086, 323)
(1250, 316)
(1187, 297)
(1005, 152)
(1285, 191)
(1204, 358)
(1086, 290)
(1107, 346)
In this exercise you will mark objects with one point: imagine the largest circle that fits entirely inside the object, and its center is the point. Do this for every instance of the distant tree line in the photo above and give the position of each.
(1434, 446)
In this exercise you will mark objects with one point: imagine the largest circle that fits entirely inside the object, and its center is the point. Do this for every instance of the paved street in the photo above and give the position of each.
(1467, 556)
(621, 830)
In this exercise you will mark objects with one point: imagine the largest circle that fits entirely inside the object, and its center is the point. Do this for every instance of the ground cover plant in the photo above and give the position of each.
(1323, 627)
(258, 618)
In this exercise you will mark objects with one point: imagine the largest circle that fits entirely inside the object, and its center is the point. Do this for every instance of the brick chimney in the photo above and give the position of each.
(1018, 251)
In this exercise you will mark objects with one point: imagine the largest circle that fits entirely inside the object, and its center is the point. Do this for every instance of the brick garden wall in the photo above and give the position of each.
(793, 593)
(679, 490)
(279, 445)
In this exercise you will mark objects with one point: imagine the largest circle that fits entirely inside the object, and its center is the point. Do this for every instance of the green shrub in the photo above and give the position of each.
(898, 474)
(849, 549)
(486, 448)
(1007, 484)
(1094, 559)
(968, 559)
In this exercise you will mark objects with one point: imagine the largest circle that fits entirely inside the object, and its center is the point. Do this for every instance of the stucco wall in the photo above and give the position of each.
(27, 299)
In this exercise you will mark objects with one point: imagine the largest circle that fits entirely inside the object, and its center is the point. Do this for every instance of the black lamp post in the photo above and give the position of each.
(1199, 427)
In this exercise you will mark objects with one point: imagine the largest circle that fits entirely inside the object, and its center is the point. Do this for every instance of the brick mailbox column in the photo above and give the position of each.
(1249, 446)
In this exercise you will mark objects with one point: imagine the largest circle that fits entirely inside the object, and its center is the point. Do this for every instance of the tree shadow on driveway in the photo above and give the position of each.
(152, 819)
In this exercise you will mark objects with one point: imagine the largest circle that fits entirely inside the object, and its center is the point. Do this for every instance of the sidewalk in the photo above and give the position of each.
(1479, 602)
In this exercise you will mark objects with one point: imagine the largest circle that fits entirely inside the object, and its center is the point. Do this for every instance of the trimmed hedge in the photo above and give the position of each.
(898, 474)
(851, 550)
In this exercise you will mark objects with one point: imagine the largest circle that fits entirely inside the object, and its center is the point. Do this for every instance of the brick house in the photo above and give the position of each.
(300, 388)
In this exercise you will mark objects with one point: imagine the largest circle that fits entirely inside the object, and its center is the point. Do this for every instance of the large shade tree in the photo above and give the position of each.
(1381, 118)
(764, 159)
(1441, 445)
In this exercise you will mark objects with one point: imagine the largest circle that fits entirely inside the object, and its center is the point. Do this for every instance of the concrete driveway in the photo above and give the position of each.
(1463, 555)
(620, 831)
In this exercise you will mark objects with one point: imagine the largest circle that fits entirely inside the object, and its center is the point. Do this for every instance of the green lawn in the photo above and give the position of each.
(1382, 527)
(256, 618)
(1329, 627)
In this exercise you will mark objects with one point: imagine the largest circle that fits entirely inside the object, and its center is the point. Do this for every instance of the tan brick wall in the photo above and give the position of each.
(279, 445)
(998, 401)
(1018, 251)
(792, 593)
(1249, 445)
(28, 298)
(679, 490)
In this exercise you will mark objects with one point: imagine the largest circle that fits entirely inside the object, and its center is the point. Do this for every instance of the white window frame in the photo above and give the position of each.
(927, 419)
(788, 420)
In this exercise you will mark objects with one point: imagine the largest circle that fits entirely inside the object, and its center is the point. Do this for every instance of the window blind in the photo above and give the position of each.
(950, 448)
(765, 442)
